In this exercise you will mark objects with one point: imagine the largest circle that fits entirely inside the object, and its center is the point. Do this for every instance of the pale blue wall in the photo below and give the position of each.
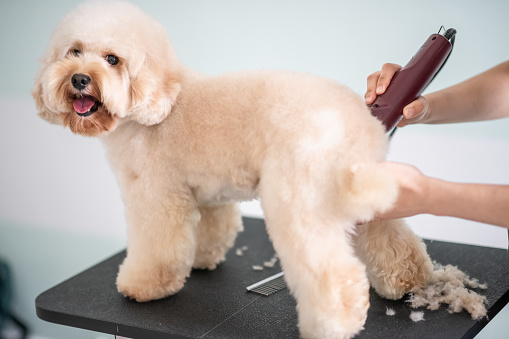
(345, 40)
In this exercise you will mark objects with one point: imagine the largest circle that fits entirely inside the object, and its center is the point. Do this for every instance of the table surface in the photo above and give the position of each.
(215, 304)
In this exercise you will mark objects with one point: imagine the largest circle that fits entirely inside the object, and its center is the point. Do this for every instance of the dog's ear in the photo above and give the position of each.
(38, 94)
(154, 89)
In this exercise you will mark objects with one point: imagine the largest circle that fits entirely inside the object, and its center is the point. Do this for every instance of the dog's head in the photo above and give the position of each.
(106, 62)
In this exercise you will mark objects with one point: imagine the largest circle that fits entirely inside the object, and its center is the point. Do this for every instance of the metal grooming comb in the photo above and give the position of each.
(269, 285)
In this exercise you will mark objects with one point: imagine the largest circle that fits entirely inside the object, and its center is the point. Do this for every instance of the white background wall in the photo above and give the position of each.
(59, 204)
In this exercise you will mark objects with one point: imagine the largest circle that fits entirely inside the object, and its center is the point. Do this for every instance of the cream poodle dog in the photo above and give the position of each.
(186, 147)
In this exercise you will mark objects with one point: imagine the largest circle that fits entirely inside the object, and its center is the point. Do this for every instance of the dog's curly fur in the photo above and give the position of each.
(185, 147)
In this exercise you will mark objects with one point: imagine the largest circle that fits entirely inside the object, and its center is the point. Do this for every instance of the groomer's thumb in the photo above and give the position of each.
(415, 111)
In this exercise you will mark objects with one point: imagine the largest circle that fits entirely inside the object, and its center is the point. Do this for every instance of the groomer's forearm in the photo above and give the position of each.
(483, 97)
(477, 202)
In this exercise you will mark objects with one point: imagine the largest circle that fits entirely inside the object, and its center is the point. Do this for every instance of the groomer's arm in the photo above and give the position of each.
(483, 97)
(420, 194)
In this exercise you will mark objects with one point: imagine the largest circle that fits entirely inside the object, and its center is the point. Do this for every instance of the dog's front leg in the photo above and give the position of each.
(161, 244)
(216, 234)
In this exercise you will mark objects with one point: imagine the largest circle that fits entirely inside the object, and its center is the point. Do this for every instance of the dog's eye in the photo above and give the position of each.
(76, 52)
(112, 59)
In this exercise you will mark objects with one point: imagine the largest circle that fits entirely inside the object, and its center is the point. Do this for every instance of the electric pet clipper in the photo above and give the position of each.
(409, 82)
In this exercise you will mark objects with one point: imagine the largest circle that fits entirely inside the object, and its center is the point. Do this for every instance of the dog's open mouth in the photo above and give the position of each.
(86, 105)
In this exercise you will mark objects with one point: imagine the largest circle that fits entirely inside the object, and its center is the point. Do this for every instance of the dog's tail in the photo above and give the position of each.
(367, 189)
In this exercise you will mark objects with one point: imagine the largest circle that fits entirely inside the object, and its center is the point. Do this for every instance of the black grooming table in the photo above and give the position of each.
(215, 304)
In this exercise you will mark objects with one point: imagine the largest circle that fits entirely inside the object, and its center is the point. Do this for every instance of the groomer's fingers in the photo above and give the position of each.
(378, 82)
(385, 78)
(372, 81)
(415, 112)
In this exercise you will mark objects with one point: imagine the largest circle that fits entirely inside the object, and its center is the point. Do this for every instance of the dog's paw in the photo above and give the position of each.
(209, 258)
(339, 307)
(145, 284)
(395, 257)
(413, 270)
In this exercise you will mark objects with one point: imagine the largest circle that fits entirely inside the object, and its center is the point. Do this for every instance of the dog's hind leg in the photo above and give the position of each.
(312, 241)
(217, 230)
(395, 257)
(161, 243)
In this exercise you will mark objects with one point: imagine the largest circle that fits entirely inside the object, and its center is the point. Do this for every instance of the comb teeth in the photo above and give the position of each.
(269, 286)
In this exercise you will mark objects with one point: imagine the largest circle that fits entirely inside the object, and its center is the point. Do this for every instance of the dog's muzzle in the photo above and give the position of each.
(86, 105)
(80, 81)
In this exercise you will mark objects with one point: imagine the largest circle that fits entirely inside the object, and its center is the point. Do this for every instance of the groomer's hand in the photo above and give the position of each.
(413, 187)
(378, 83)
(421, 194)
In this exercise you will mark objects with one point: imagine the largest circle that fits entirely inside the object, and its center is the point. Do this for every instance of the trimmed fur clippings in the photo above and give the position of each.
(185, 147)
(417, 316)
(450, 286)
(390, 311)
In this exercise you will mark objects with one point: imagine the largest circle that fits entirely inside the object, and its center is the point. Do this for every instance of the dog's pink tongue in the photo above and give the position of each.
(83, 104)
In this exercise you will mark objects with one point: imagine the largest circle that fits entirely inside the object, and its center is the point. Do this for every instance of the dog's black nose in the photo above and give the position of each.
(80, 81)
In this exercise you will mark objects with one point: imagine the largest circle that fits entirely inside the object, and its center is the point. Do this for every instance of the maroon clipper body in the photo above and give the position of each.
(409, 82)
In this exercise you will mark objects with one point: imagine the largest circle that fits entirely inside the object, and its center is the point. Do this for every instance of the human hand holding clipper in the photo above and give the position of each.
(415, 112)
(483, 97)
(389, 103)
